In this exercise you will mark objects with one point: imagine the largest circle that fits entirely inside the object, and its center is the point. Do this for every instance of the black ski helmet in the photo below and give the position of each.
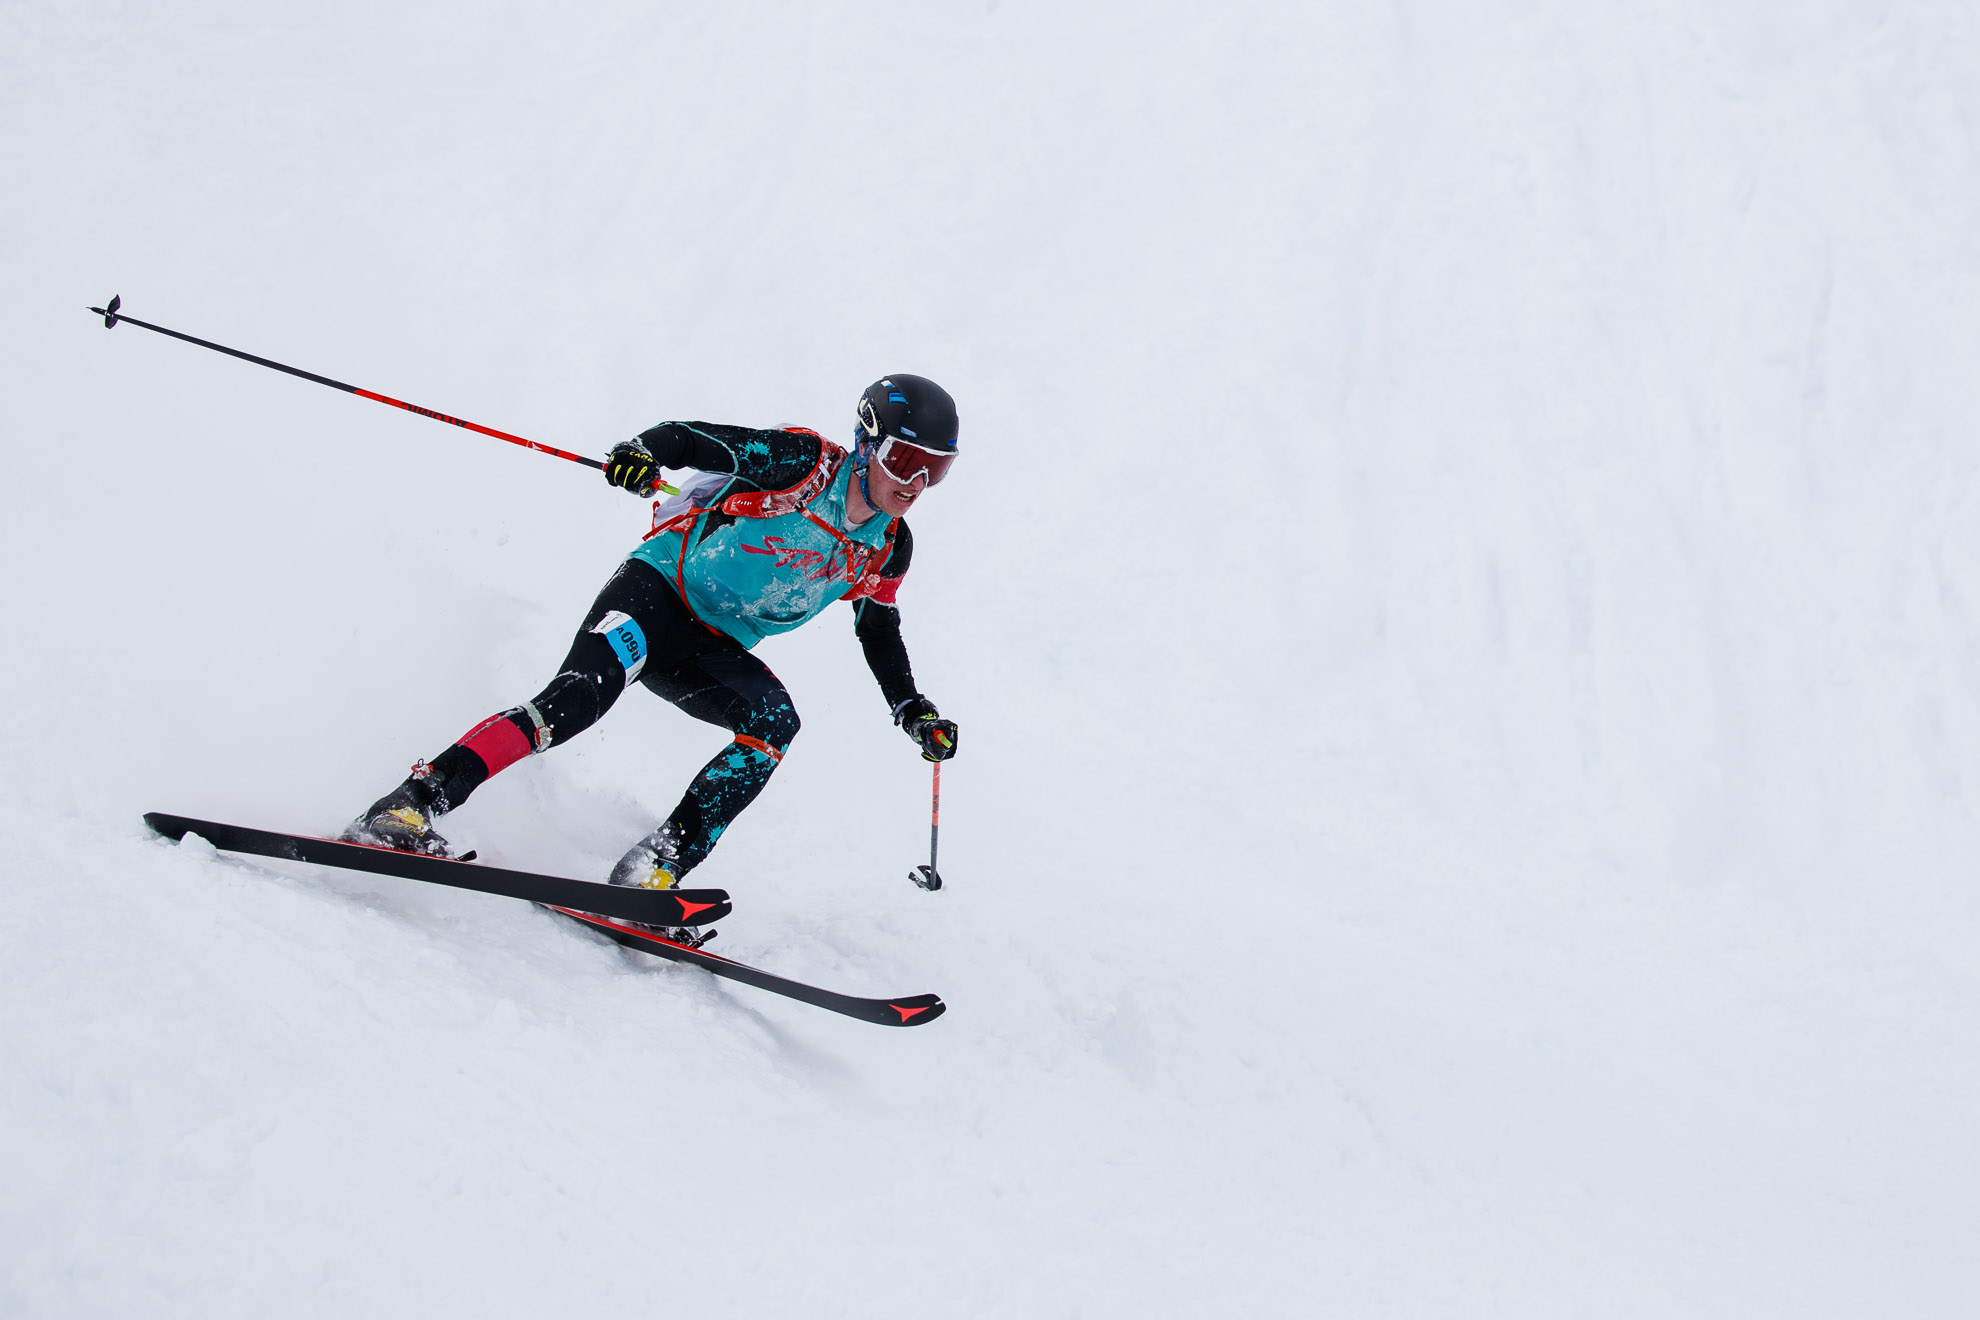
(912, 407)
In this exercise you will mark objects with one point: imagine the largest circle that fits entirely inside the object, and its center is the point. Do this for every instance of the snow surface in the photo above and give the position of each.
(1461, 603)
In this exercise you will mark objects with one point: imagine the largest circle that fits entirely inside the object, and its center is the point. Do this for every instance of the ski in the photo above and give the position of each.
(911, 1011)
(661, 907)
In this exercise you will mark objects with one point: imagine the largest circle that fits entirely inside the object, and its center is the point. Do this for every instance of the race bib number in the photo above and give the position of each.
(627, 641)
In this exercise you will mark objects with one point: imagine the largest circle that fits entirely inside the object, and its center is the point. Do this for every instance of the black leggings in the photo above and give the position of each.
(639, 626)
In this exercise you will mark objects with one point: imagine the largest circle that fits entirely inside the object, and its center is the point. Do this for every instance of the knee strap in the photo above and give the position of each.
(758, 745)
(539, 731)
(769, 724)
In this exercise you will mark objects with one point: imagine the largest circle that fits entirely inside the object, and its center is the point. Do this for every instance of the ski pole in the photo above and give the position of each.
(926, 876)
(111, 318)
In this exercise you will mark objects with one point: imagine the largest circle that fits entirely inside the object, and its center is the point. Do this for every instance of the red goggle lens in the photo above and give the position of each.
(904, 460)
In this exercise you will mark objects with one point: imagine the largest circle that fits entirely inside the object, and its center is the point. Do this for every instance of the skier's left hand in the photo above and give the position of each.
(923, 723)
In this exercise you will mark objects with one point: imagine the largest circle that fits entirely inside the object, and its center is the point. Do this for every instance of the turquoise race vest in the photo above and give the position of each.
(773, 559)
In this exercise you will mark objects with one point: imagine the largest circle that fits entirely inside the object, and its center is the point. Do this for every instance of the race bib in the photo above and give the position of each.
(627, 641)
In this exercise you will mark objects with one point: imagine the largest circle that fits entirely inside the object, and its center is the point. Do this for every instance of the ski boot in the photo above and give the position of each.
(403, 819)
(654, 863)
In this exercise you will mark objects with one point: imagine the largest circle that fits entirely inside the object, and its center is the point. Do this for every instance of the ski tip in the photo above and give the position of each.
(916, 1010)
(172, 827)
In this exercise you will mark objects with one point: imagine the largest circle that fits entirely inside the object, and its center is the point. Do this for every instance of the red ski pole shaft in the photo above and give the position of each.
(927, 877)
(112, 317)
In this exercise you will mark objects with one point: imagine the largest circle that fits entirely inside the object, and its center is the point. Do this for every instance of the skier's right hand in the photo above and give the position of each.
(630, 467)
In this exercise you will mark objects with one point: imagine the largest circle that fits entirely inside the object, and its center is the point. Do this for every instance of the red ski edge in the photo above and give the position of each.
(910, 1011)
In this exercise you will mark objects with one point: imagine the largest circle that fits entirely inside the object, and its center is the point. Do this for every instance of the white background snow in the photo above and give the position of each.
(1461, 601)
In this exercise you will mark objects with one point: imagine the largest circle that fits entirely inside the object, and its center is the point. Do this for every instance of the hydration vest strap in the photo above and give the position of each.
(680, 571)
(765, 503)
(684, 523)
(870, 583)
(850, 546)
(680, 520)
(776, 503)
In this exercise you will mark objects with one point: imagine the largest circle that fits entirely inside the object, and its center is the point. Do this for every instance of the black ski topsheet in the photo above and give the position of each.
(912, 1011)
(661, 907)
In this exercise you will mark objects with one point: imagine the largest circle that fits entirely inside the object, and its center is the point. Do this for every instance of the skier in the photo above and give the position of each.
(777, 526)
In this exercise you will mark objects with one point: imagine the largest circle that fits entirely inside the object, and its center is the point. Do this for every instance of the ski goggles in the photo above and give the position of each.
(904, 460)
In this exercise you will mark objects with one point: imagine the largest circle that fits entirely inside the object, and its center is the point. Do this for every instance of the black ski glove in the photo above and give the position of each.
(924, 724)
(630, 467)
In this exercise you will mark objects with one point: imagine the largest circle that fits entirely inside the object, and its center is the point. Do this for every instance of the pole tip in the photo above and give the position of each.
(109, 314)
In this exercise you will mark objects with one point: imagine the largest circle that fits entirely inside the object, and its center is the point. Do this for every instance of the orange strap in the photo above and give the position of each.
(757, 744)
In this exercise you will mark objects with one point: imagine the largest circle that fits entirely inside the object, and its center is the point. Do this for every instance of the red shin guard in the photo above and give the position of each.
(498, 742)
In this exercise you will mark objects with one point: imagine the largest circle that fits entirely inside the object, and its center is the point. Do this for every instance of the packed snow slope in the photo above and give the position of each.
(1461, 602)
